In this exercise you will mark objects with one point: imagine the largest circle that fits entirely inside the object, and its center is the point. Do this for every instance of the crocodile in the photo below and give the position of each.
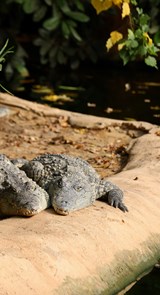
(19, 195)
(71, 182)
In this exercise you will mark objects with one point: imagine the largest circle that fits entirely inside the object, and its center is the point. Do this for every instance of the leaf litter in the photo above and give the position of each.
(27, 134)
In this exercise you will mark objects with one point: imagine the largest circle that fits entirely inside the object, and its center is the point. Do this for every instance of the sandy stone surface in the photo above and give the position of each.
(97, 249)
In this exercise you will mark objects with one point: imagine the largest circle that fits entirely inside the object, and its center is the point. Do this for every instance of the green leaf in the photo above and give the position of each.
(79, 5)
(131, 34)
(125, 56)
(157, 38)
(65, 29)
(152, 49)
(48, 2)
(40, 13)
(51, 23)
(78, 16)
(4, 47)
(4, 51)
(142, 50)
(134, 2)
(61, 57)
(30, 6)
(134, 44)
(38, 41)
(45, 48)
(53, 52)
(145, 28)
(75, 34)
(151, 61)
(22, 70)
(5, 89)
(139, 10)
(71, 23)
(2, 59)
(63, 5)
(43, 33)
(144, 19)
(138, 34)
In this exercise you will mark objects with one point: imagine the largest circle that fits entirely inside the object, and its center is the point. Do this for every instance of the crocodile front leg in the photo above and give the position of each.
(112, 194)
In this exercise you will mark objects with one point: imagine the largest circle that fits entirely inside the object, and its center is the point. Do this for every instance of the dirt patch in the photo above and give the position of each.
(27, 134)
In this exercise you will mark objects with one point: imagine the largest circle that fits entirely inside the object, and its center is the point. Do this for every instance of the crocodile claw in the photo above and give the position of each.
(115, 199)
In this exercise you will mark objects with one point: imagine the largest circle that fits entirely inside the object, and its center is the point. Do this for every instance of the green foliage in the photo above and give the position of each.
(151, 61)
(3, 52)
(138, 44)
(62, 36)
(59, 38)
(17, 63)
(64, 32)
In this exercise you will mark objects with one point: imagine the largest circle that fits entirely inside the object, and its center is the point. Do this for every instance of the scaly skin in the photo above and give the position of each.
(19, 195)
(71, 182)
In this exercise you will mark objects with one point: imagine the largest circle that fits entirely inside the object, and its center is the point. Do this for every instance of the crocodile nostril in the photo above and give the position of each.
(64, 202)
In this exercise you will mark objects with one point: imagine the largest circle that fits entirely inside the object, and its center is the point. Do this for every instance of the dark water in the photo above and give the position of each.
(148, 285)
(114, 92)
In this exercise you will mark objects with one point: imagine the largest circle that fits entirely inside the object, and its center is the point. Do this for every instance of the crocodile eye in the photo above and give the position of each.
(78, 188)
(59, 183)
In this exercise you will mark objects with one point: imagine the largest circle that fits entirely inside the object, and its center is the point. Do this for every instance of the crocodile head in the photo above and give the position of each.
(72, 192)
